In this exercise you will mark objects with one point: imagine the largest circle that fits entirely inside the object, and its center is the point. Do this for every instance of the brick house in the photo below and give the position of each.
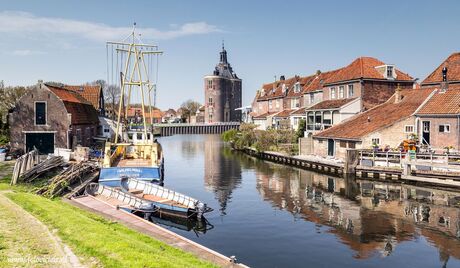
(387, 124)
(367, 81)
(135, 115)
(50, 117)
(438, 121)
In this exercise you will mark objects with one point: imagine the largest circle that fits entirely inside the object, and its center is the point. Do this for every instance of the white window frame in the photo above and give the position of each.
(341, 92)
(270, 104)
(352, 90)
(409, 126)
(35, 113)
(333, 93)
(446, 126)
(277, 104)
(312, 98)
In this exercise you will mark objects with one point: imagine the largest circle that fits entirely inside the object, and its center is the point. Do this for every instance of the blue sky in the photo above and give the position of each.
(65, 40)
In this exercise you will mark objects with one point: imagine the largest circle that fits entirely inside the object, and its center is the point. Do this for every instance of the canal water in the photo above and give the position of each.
(269, 215)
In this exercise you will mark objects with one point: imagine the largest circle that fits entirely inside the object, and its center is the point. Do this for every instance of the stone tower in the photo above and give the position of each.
(222, 91)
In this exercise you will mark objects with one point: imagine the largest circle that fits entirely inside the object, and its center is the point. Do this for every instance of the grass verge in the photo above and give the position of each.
(97, 241)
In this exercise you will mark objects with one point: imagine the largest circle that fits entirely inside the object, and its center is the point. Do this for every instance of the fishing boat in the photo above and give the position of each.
(165, 200)
(134, 152)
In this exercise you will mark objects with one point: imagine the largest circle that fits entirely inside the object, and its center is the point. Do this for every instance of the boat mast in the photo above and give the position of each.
(134, 76)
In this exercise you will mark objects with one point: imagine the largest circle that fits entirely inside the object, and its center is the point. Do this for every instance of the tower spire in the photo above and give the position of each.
(223, 54)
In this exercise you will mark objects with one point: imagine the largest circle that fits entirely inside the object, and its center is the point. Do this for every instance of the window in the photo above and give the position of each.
(277, 103)
(341, 92)
(312, 98)
(297, 88)
(343, 144)
(40, 113)
(333, 93)
(351, 145)
(295, 103)
(79, 136)
(106, 130)
(210, 100)
(389, 71)
(209, 83)
(210, 118)
(351, 91)
(270, 104)
(375, 141)
(445, 128)
(409, 129)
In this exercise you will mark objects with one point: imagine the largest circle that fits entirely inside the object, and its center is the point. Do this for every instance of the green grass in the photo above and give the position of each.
(100, 241)
(97, 241)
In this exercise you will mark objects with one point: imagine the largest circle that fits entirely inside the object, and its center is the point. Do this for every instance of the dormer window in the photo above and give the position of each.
(297, 88)
(390, 71)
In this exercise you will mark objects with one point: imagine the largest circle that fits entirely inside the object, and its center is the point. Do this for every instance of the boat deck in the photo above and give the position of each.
(110, 211)
(134, 163)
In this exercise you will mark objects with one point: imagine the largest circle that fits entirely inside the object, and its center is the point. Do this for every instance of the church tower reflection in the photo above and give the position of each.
(222, 175)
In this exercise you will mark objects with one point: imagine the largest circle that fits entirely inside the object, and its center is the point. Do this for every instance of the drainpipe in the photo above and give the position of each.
(458, 131)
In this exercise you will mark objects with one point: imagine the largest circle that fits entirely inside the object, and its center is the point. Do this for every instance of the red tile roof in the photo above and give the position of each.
(303, 81)
(275, 90)
(284, 113)
(300, 111)
(156, 113)
(330, 104)
(264, 115)
(81, 110)
(443, 103)
(364, 67)
(453, 70)
(378, 117)
(90, 93)
(319, 80)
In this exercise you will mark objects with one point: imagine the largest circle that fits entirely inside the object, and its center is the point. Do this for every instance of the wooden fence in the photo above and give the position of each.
(25, 163)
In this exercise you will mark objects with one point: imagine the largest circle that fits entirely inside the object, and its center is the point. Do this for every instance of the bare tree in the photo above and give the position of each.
(189, 108)
(112, 97)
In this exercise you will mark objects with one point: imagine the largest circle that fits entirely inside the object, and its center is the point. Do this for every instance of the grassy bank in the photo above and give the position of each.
(98, 242)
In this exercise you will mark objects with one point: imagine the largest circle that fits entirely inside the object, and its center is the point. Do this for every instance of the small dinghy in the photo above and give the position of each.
(165, 200)
(118, 198)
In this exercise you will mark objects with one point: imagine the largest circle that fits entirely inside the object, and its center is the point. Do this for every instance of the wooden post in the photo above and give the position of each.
(388, 164)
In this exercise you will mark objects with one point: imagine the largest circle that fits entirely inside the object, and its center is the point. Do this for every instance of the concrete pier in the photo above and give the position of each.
(108, 211)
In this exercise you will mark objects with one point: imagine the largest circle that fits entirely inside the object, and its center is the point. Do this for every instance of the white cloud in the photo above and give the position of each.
(25, 52)
(23, 23)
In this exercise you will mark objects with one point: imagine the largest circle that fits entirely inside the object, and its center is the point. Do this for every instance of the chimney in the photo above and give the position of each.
(398, 96)
(282, 78)
(40, 83)
(444, 83)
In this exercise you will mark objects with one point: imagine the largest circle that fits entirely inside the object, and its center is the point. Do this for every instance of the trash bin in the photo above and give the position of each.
(2, 157)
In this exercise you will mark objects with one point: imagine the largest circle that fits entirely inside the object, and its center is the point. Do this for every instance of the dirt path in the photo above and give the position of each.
(27, 242)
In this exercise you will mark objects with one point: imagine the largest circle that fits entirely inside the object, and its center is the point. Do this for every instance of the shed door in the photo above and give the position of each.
(44, 142)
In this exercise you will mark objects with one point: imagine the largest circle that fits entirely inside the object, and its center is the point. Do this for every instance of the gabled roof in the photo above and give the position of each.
(443, 103)
(81, 110)
(330, 104)
(364, 67)
(90, 93)
(453, 71)
(379, 117)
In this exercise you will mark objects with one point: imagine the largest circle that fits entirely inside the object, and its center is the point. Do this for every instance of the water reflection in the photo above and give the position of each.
(222, 174)
(370, 217)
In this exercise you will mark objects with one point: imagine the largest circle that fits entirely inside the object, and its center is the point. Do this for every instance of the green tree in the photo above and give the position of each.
(301, 128)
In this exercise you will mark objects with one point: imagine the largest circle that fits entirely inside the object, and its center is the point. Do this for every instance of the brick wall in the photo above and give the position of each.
(22, 119)
(439, 140)
(377, 92)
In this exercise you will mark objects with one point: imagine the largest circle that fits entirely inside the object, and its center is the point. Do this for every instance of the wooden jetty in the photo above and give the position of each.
(110, 211)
